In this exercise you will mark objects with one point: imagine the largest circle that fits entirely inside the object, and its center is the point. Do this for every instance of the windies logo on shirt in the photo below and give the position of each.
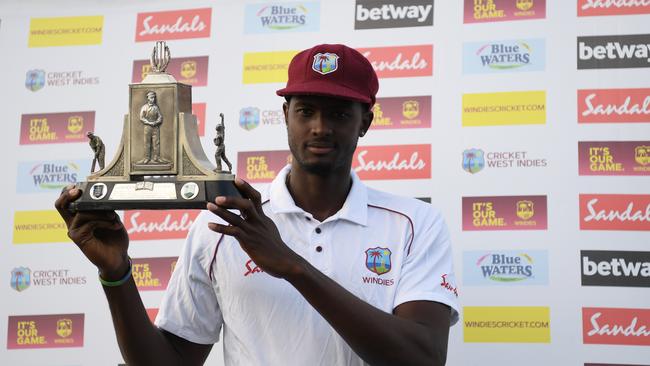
(613, 105)
(378, 260)
(153, 274)
(175, 24)
(616, 326)
(612, 7)
(482, 11)
(159, 225)
(400, 61)
(614, 157)
(615, 212)
(504, 213)
(402, 112)
(45, 331)
(393, 162)
(187, 70)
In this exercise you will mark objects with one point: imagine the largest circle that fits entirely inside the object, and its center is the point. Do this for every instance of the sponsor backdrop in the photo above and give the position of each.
(525, 121)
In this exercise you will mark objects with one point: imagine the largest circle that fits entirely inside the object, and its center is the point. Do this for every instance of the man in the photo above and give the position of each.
(219, 143)
(99, 150)
(152, 118)
(320, 270)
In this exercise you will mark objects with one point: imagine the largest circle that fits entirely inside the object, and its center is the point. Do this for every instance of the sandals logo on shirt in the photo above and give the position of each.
(378, 260)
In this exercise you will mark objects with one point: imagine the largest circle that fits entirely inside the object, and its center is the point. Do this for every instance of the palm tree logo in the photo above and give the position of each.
(325, 63)
(378, 260)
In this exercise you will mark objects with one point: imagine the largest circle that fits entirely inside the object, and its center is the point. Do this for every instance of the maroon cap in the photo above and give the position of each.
(332, 70)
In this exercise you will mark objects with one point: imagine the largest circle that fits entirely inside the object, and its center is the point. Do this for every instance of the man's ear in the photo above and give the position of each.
(285, 110)
(366, 120)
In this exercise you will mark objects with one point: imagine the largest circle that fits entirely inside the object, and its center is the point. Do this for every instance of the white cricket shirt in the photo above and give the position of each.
(385, 249)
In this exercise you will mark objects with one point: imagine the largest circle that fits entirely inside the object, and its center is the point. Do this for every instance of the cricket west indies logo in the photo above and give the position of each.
(400, 61)
(50, 128)
(65, 31)
(378, 260)
(505, 267)
(45, 226)
(36, 79)
(370, 14)
(614, 52)
(504, 56)
(614, 157)
(612, 7)
(45, 331)
(402, 112)
(159, 224)
(153, 274)
(251, 117)
(175, 24)
(506, 324)
(504, 108)
(187, 70)
(282, 17)
(266, 67)
(504, 213)
(615, 268)
(49, 176)
(393, 162)
(613, 105)
(23, 277)
(474, 160)
(616, 326)
(615, 212)
(482, 11)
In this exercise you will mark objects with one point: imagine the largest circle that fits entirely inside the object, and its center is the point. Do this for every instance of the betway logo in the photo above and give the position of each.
(157, 225)
(176, 24)
(393, 162)
(615, 268)
(614, 52)
(393, 14)
(614, 212)
(614, 105)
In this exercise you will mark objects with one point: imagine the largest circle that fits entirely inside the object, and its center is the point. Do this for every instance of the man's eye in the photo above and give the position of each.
(304, 111)
(341, 115)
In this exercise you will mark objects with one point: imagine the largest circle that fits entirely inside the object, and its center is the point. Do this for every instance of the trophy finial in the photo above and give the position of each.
(160, 57)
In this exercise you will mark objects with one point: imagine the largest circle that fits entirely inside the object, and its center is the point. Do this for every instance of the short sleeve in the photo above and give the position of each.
(189, 307)
(427, 271)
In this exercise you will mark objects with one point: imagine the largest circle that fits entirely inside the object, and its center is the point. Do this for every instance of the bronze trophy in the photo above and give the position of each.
(159, 163)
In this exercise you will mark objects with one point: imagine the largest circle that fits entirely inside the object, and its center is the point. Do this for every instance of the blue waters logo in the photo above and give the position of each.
(50, 176)
(504, 56)
(505, 268)
(282, 17)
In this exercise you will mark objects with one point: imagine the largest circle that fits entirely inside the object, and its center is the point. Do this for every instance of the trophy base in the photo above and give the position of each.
(156, 194)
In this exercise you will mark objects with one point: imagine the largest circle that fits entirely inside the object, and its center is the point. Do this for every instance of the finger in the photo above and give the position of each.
(244, 205)
(251, 193)
(233, 231)
(83, 218)
(68, 194)
(82, 234)
(228, 216)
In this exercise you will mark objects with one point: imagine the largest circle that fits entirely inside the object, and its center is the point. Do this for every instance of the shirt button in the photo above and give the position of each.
(319, 249)
(318, 230)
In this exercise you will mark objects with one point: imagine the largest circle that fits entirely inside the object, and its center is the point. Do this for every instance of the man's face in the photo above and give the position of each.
(323, 131)
(151, 98)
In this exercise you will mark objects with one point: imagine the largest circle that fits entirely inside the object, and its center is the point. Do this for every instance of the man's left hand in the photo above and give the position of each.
(256, 232)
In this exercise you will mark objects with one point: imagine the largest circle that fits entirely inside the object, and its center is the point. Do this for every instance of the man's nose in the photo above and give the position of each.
(320, 125)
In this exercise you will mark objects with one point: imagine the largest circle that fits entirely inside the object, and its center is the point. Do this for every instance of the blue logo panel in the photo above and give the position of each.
(505, 267)
(282, 17)
(492, 57)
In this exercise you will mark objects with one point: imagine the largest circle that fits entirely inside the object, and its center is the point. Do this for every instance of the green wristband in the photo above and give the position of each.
(120, 281)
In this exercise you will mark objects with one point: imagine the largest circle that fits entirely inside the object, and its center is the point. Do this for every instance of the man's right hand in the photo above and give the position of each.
(100, 235)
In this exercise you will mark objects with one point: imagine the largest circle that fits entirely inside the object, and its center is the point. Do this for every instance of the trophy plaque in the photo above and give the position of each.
(159, 163)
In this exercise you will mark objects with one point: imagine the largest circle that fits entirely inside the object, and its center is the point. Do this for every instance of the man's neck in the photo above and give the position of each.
(321, 196)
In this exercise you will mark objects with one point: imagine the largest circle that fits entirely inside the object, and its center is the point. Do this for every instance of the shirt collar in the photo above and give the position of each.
(355, 207)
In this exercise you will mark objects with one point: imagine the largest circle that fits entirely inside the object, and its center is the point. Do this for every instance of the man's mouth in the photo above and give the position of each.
(320, 148)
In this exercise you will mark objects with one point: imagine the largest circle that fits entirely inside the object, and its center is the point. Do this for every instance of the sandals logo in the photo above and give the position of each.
(613, 105)
(175, 24)
(588, 8)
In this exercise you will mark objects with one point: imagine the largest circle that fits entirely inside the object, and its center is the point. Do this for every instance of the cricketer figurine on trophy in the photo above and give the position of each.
(159, 163)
